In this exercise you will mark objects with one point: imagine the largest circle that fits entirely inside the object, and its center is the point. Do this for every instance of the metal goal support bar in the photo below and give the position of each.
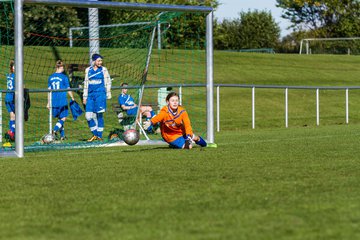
(122, 5)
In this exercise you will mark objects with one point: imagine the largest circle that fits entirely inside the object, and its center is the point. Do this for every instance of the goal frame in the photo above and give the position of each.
(19, 52)
(308, 40)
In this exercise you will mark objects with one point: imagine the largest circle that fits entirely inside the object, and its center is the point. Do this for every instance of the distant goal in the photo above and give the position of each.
(348, 46)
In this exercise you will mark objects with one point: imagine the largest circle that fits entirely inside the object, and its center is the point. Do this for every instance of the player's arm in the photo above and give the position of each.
(48, 103)
(121, 103)
(49, 87)
(158, 118)
(86, 85)
(107, 80)
(124, 107)
(71, 95)
(68, 86)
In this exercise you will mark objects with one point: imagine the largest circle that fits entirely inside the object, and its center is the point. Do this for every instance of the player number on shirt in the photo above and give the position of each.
(55, 85)
(10, 85)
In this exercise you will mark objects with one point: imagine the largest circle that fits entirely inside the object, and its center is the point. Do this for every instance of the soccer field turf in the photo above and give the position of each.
(297, 183)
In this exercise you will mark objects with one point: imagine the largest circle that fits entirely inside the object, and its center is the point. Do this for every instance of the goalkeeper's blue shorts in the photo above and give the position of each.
(178, 143)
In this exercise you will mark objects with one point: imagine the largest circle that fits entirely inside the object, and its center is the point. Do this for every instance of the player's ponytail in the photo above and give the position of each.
(59, 64)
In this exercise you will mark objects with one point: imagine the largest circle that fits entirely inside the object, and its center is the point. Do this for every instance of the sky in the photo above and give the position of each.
(230, 9)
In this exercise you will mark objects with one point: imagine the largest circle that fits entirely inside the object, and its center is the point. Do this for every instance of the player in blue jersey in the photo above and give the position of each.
(97, 88)
(10, 100)
(128, 104)
(59, 103)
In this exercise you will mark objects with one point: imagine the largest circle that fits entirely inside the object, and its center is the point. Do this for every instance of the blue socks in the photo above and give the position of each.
(62, 132)
(201, 142)
(58, 125)
(93, 127)
(100, 128)
(12, 125)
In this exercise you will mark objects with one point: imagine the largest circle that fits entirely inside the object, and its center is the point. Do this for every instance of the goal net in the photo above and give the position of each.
(349, 46)
(154, 52)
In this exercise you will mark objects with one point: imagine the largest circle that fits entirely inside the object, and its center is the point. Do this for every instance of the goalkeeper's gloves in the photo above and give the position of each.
(146, 124)
(189, 138)
(150, 128)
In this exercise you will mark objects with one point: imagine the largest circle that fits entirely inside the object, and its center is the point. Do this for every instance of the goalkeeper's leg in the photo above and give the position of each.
(199, 141)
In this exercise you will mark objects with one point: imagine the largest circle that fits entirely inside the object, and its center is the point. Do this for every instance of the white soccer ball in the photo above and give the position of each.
(48, 138)
(131, 137)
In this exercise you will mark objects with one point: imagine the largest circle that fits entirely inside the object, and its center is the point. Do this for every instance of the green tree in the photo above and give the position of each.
(181, 34)
(330, 18)
(55, 22)
(49, 21)
(256, 29)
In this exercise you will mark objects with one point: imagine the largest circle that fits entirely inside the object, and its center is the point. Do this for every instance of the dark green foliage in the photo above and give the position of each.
(256, 29)
(6, 23)
(189, 29)
(331, 18)
(54, 23)
(51, 21)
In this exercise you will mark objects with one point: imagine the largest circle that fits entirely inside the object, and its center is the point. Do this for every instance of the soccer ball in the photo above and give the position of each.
(131, 136)
(48, 139)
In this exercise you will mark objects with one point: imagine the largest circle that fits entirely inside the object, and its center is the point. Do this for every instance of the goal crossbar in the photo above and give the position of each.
(122, 5)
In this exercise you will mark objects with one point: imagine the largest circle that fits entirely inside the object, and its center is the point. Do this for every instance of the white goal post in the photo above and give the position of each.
(19, 52)
(308, 40)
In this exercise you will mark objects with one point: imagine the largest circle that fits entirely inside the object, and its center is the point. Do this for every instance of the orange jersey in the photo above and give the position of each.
(173, 125)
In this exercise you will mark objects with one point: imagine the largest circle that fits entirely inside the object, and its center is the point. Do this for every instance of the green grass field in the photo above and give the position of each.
(299, 183)
(268, 183)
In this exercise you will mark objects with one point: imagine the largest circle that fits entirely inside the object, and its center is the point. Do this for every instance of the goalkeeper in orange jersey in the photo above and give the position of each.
(175, 124)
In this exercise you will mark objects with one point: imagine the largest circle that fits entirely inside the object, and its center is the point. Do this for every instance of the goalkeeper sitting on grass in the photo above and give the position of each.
(175, 125)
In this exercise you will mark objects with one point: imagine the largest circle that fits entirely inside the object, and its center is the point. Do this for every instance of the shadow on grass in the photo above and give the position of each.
(147, 149)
